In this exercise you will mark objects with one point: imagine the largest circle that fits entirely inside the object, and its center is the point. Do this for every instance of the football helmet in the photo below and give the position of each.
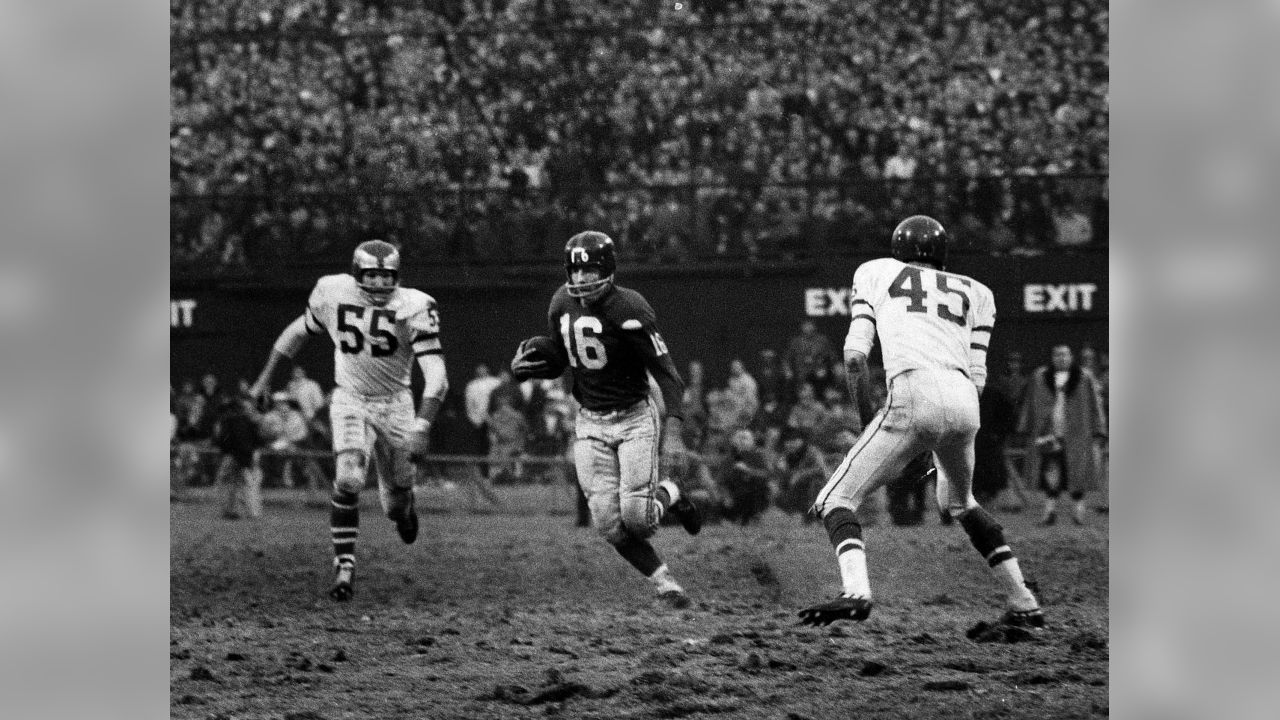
(589, 249)
(920, 238)
(376, 255)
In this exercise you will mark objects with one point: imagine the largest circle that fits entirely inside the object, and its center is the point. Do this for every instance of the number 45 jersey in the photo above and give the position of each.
(926, 318)
(373, 346)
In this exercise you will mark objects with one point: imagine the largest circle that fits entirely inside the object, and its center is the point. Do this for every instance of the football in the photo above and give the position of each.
(540, 347)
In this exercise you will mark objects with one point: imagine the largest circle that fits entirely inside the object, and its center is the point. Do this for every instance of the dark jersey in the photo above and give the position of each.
(610, 344)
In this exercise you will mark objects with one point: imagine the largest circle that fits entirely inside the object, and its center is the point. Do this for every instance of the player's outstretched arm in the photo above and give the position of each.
(858, 376)
(291, 340)
(435, 383)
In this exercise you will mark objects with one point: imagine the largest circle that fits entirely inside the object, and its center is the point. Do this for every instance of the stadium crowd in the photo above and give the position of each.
(495, 128)
(770, 436)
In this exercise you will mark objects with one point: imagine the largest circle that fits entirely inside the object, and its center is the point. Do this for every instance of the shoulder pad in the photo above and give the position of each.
(625, 305)
(407, 302)
(417, 308)
(984, 289)
(339, 281)
(332, 288)
(880, 265)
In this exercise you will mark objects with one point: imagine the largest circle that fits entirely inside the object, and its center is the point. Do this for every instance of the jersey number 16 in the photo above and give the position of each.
(582, 343)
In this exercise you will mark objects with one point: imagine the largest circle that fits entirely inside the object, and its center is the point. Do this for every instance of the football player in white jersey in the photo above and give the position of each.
(934, 328)
(377, 329)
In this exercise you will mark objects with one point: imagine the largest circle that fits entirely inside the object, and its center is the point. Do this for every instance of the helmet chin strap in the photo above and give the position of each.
(377, 295)
(588, 290)
(380, 296)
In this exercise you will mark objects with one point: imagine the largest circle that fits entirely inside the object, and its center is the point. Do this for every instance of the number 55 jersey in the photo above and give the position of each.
(373, 346)
(926, 318)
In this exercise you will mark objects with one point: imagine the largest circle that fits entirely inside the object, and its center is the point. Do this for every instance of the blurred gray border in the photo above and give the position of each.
(1196, 128)
(83, 611)
(1195, 139)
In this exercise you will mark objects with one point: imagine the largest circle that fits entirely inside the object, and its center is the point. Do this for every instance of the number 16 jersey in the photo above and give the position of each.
(610, 345)
(373, 346)
(926, 318)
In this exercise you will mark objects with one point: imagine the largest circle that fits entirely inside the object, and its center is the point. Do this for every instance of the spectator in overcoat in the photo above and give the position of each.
(1063, 418)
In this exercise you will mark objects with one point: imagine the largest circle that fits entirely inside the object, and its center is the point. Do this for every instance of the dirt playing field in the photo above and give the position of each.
(522, 615)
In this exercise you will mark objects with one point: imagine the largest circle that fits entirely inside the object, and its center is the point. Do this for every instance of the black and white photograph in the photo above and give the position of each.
(636, 359)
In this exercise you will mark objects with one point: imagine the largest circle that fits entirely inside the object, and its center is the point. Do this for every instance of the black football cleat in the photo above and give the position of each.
(1023, 618)
(407, 524)
(842, 608)
(674, 599)
(688, 514)
(343, 582)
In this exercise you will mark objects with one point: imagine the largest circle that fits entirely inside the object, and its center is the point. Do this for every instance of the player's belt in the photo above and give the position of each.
(613, 414)
(375, 398)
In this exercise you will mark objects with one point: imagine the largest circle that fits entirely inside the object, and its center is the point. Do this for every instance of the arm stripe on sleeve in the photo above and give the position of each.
(437, 351)
(313, 326)
(864, 316)
(977, 346)
(982, 328)
(860, 301)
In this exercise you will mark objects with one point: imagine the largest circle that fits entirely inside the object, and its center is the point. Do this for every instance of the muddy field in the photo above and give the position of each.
(522, 615)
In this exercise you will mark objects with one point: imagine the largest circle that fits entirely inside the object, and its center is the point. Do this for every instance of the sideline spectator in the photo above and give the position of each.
(237, 434)
(998, 418)
(1072, 226)
(1063, 416)
(905, 496)
(802, 470)
(695, 407)
(477, 395)
(305, 391)
(806, 352)
(744, 479)
(188, 406)
(742, 387)
(288, 433)
(508, 432)
(808, 412)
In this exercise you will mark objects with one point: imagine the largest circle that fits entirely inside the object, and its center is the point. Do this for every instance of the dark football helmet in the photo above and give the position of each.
(376, 255)
(920, 238)
(589, 249)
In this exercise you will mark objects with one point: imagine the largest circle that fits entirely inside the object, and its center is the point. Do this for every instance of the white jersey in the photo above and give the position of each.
(373, 346)
(926, 318)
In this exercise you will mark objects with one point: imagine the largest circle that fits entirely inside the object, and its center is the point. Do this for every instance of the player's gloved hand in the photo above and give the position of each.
(529, 362)
(419, 436)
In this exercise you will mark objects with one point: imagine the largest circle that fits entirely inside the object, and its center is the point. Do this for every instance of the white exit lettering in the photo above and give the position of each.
(825, 302)
(1067, 297)
(182, 313)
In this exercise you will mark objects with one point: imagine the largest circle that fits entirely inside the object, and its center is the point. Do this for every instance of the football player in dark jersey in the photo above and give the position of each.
(607, 337)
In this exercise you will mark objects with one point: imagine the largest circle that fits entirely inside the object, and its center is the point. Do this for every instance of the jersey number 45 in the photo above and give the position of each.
(910, 284)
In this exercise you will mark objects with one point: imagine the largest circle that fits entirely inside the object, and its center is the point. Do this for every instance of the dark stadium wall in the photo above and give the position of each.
(1041, 301)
